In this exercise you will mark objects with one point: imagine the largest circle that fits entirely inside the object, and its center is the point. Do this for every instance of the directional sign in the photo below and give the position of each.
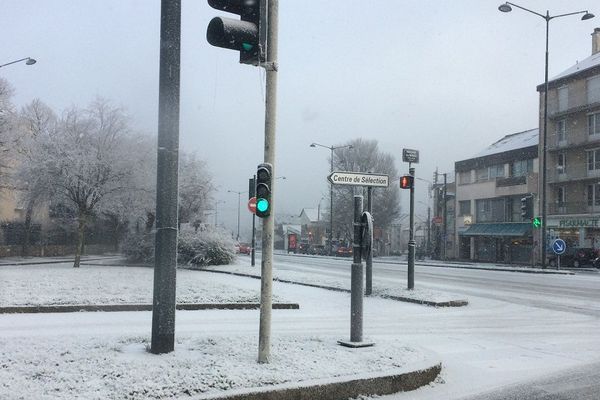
(410, 156)
(358, 179)
(559, 246)
(252, 205)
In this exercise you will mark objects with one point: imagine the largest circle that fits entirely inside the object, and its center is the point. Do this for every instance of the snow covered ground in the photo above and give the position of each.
(486, 345)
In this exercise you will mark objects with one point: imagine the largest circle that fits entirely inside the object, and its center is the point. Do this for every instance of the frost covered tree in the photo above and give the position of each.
(364, 156)
(7, 116)
(83, 161)
(195, 189)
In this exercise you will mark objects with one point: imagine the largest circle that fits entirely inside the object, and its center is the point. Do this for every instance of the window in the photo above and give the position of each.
(593, 160)
(561, 130)
(464, 207)
(561, 163)
(593, 195)
(483, 174)
(560, 196)
(563, 98)
(594, 124)
(496, 171)
(464, 177)
(521, 167)
(593, 89)
(489, 210)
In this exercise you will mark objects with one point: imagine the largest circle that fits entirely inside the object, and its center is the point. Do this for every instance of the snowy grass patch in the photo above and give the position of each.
(122, 368)
(61, 284)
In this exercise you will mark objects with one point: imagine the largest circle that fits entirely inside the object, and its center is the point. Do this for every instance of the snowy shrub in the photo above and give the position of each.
(139, 248)
(208, 246)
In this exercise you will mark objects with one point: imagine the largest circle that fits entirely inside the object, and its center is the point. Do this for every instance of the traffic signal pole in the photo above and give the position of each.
(411, 234)
(266, 286)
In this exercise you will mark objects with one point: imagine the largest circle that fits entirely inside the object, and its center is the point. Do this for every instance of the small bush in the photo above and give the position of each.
(139, 248)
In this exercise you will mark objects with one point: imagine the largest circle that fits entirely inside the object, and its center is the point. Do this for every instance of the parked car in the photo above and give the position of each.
(574, 257)
(303, 248)
(244, 248)
(344, 252)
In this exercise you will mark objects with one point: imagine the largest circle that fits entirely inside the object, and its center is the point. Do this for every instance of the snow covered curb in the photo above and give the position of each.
(140, 307)
(424, 297)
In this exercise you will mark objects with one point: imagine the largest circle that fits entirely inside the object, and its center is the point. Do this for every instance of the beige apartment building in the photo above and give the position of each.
(489, 189)
(573, 151)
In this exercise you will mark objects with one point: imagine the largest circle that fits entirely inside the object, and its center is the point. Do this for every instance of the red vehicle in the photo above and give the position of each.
(244, 248)
(344, 252)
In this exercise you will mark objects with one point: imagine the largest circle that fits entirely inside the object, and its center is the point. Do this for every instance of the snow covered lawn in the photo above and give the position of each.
(61, 284)
(121, 368)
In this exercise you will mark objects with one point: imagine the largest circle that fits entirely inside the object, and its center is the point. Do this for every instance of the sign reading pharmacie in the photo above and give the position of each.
(575, 222)
(358, 179)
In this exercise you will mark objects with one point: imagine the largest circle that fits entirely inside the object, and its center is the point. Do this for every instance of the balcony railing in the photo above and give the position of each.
(574, 207)
(566, 175)
(511, 181)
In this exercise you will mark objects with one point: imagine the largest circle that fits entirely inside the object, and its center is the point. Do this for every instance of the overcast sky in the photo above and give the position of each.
(446, 78)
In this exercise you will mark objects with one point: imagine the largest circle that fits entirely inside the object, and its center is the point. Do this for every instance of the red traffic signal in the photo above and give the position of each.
(407, 182)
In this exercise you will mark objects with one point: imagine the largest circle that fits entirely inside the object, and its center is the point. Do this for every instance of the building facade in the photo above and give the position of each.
(489, 189)
(573, 152)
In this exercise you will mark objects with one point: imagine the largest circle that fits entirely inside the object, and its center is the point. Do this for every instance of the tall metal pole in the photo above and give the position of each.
(329, 251)
(253, 256)
(266, 286)
(369, 267)
(428, 231)
(238, 220)
(445, 205)
(411, 234)
(544, 148)
(165, 264)
(356, 277)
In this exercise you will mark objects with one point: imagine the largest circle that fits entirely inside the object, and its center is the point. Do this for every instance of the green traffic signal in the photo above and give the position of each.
(262, 205)
(537, 222)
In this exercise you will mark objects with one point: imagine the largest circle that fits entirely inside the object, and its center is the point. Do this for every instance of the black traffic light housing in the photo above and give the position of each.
(527, 208)
(264, 179)
(407, 182)
(243, 35)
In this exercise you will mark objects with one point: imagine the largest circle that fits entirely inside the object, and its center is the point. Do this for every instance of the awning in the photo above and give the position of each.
(499, 229)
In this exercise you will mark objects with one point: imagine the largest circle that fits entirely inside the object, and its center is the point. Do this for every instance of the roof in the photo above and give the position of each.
(500, 229)
(510, 142)
(590, 62)
(311, 213)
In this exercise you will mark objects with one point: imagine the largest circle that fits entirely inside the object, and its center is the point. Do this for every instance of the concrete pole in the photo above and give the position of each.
(266, 286)
(369, 268)
(165, 264)
(445, 216)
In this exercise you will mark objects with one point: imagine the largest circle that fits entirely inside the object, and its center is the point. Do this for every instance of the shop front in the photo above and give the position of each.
(498, 242)
(582, 232)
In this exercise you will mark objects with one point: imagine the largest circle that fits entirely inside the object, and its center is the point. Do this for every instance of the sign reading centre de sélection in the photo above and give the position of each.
(358, 179)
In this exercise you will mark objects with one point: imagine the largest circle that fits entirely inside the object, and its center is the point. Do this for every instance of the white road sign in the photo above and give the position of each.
(358, 179)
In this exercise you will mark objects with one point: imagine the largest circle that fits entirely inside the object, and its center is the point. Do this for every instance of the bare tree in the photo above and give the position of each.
(364, 156)
(83, 161)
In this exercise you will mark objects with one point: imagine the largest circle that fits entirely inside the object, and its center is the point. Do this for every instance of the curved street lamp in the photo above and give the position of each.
(505, 8)
(332, 148)
(28, 61)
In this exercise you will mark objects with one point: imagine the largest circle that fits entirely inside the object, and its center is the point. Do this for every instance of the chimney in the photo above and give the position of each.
(596, 41)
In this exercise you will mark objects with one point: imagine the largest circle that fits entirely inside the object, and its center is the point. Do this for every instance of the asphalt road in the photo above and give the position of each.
(579, 293)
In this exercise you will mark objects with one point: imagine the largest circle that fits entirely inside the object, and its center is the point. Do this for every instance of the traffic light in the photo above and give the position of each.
(536, 222)
(243, 35)
(263, 190)
(527, 207)
(407, 182)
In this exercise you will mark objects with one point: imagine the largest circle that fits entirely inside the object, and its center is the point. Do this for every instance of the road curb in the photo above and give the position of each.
(139, 307)
(451, 303)
(341, 389)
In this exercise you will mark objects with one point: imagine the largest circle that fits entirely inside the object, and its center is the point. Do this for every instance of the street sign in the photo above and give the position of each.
(559, 246)
(252, 205)
(410, 156)
(358, 179)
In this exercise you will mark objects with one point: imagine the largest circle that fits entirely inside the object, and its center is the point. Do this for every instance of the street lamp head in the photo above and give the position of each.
(313, 145)
(587, 15)
(350, 146)
(505, 8)
(31, 61)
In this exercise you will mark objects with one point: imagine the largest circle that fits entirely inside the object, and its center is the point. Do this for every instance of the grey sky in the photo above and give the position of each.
(447, 78)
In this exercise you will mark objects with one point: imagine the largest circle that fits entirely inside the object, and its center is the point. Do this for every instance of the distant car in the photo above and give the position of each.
(575, 257)
(244, 248)
(303, 248)
(344, 252)
(318, 249)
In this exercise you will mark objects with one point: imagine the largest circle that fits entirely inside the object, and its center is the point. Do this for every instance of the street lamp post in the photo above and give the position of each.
(28, 61)
(238, 216)
(332, 148)
(506, 7)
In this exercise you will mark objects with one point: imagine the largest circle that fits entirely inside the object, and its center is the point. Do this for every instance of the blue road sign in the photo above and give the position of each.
(559, 246)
